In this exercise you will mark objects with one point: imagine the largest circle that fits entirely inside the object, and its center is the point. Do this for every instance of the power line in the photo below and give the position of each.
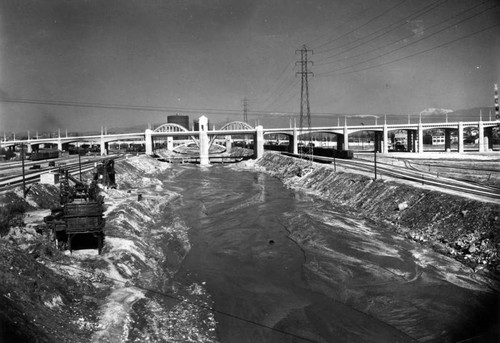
(421, 52)
(126, 107)
(292, 82)
(383, 31)
(414, 42)
(406, 37)
(348, 20)
(279, 81)
(288, 99)
(171, 296)
(361, 26)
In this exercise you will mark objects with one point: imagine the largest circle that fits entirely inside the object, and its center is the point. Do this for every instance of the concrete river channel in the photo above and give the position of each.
(281, 266)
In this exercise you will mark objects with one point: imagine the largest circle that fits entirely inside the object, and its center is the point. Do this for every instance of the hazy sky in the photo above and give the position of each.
(205, 56)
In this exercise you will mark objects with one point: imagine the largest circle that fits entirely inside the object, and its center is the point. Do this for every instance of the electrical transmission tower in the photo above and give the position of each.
(305, 110)
(245, 110)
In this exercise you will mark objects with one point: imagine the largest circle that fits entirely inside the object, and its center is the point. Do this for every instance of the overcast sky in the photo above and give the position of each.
(205, 56)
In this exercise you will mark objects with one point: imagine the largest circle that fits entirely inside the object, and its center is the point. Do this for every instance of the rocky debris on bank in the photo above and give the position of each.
(460, 227)
(123, 295)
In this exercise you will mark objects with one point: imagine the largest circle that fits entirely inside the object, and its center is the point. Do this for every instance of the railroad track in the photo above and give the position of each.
(415, 176)
(73, 168)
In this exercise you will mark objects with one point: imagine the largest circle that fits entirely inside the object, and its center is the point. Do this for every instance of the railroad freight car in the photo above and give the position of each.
(44, 155)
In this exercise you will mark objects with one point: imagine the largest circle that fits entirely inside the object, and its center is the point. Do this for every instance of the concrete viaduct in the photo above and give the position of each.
(205, 137)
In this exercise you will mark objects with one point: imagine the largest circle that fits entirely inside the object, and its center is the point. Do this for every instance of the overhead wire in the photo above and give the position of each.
(174, 297)
(279, 81)
(424, 51)
(293, 82)
(380, 47)
(348, 20)
(318, 48)
(414, 42)
(402, 22)
(126, 107)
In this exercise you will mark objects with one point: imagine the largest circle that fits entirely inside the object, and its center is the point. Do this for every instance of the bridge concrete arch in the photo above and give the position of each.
(232, 126)
(173, 128)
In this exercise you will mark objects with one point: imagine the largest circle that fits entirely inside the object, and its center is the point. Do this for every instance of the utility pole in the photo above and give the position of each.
(305, 110)
(245, 110)
(22, 166)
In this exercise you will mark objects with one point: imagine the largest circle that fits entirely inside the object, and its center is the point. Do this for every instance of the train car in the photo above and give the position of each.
(44, 155)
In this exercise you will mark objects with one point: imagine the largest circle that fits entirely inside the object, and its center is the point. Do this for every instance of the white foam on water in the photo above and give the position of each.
(115, 315)
(447, 269)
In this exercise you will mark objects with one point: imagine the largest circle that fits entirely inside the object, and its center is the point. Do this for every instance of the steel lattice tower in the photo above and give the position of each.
(305, 110)
(245, 110)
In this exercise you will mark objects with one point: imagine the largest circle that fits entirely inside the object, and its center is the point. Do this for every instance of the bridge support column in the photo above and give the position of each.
(346, 139)
(258, 142)
(481, 136)
(488, 139)
(414, 141)
(294, 143)
(29, 149)
(447, 139)
(409, 146)
(170, 143)
(204, 142)
(377, 142)
(229, 143)
(460, 137)
(385, 140)
(103, 147)
(59, 145)
(148, 140)
(420, 138)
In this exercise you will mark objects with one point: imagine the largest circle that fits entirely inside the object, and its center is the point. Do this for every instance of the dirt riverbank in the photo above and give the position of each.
(123, 295)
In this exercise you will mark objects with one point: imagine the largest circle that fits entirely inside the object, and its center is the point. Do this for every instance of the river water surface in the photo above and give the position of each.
(348, 280)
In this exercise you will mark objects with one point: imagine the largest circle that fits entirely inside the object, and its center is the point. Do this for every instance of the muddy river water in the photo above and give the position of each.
(348, 280)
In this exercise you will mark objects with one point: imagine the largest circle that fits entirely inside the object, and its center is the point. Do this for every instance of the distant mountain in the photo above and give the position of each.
(473, 114)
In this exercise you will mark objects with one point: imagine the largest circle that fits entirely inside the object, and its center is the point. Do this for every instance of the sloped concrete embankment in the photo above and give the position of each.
(463, 228)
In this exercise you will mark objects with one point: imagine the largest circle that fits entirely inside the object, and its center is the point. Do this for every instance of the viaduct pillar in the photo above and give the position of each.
(488, 139)
(414, 141)
(378, 141)
(148, 141)
(170, 143)
(258, 142)
(295, 141)
(59, 145)
(409, 145)
(481, 136)
(420, 138)
(204, 142)
(229, 143)
(345, 145)
(447, 139)
(460, 137)
(385, 140)
(103, 146)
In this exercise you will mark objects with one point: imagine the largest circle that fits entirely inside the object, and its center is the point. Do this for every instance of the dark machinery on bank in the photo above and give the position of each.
(79, 220)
